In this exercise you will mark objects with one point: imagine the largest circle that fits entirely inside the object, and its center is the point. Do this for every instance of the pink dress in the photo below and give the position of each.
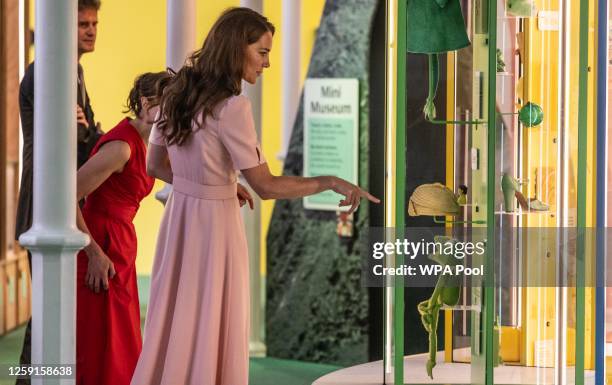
(197, 325)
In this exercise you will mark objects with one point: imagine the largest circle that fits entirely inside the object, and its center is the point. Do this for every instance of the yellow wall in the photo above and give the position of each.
(132, 40)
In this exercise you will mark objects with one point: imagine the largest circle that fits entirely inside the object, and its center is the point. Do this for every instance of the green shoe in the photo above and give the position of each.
(511, 189)
(509, 186)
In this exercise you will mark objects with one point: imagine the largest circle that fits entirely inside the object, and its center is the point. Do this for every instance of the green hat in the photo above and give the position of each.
(432, 27)
(433, 199)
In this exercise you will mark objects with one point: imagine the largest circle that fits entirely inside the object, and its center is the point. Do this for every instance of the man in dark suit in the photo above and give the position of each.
(88, 133)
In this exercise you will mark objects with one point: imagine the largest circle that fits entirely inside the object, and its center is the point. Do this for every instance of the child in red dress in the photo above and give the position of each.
(114, 182)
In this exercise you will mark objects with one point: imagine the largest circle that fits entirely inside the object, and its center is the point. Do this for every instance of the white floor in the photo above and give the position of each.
(444, 373)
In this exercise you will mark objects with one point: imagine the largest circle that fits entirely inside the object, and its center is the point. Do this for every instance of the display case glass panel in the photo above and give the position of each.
(514, 123)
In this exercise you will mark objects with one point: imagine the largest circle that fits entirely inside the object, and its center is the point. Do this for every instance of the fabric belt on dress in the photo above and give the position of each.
(110, 211)
(203, 191)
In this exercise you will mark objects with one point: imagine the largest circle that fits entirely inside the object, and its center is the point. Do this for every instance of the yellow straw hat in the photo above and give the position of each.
(432, 199)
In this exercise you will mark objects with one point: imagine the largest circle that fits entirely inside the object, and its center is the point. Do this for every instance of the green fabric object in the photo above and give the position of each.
(531, 114)
(432, 27)
(429, 110)
(430, 312)
(446, 292)
(435, 26)
(442, 258)
(451, 285)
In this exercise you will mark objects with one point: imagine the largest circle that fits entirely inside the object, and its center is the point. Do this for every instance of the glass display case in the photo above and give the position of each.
(514, 134)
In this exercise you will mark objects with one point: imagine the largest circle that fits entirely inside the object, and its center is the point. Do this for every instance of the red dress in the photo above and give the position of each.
(108, 323)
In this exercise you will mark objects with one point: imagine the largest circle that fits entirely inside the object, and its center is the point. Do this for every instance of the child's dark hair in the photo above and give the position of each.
(86, 4)
(149, 85)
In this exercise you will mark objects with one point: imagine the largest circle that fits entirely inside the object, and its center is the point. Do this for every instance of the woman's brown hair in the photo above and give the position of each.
(149, 85)
(211, 74)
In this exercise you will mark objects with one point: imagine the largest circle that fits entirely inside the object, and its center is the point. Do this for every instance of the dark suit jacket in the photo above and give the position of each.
(87, 138)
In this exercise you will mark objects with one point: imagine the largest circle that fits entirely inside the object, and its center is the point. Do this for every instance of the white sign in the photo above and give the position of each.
(331, 135)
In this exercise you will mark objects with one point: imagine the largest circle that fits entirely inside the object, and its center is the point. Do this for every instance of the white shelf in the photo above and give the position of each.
(518, 213)
(462, 308)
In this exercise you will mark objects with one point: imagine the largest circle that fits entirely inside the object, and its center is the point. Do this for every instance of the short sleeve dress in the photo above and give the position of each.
(108, 323)
(197, 324)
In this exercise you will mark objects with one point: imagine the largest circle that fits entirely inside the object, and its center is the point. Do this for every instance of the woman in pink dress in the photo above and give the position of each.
(197, 325)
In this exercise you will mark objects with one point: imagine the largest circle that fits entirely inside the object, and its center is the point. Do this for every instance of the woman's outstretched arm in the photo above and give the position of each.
(268, 186)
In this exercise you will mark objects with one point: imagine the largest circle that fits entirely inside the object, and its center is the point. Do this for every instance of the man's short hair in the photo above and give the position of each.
(84, 4)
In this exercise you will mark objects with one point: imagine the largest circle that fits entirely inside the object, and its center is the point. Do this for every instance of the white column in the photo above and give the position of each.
(291, 42)
(180, 38)
(53, 238)
(180, 43)
(252, 224)
(254, 91)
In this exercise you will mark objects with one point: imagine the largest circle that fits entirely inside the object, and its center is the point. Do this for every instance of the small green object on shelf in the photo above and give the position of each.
(531, 115)
(461, 195)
